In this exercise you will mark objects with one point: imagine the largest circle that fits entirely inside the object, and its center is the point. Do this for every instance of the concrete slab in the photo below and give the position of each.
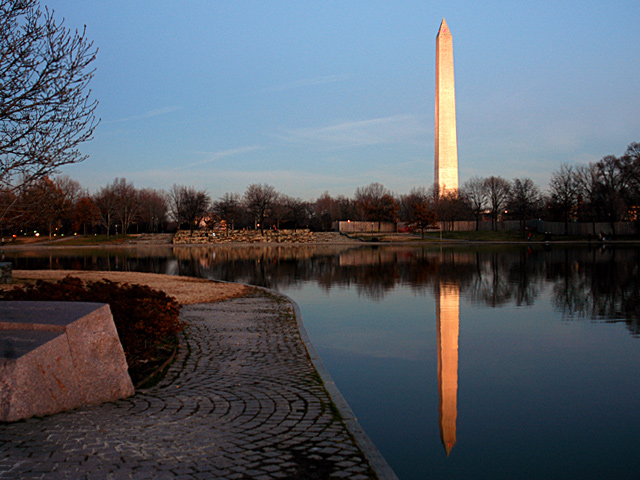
(55, 356)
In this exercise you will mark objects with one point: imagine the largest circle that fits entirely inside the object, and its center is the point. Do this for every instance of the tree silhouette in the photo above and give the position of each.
(45, 106)
(376, 203)
(259, 200)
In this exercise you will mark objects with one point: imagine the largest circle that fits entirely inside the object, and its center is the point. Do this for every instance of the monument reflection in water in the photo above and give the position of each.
(544, 383)
(448, 324)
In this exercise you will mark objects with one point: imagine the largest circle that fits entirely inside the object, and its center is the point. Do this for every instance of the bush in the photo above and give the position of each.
(147, 320)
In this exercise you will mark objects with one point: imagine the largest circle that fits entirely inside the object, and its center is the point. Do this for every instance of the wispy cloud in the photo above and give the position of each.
(186, 173)
(307, 82)
(213, 156)
(385, 130)
(150, 114)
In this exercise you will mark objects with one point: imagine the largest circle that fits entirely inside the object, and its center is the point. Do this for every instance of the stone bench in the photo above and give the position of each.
(55, 356)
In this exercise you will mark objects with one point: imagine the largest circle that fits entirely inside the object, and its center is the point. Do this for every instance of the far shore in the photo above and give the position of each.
(323, 239)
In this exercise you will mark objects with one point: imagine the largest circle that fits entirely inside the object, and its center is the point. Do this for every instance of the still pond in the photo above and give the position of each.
(495, 362)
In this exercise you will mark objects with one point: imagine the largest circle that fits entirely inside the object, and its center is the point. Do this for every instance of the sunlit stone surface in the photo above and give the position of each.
(55, 356)
(446, 150)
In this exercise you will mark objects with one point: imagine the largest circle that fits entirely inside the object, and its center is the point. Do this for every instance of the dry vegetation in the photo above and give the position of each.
(186, 290)
(145, 307)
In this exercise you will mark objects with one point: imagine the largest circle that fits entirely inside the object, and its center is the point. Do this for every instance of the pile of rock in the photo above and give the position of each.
(183, 237)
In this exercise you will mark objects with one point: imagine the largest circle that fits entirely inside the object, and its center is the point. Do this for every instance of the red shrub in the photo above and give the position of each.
(146, 319)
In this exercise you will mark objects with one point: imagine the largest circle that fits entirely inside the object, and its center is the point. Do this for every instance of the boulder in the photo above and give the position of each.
(55, 356)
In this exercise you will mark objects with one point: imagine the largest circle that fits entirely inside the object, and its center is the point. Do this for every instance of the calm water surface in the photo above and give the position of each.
(476, 363)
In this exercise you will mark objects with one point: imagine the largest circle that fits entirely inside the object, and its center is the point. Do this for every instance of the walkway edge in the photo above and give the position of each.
(375, 458)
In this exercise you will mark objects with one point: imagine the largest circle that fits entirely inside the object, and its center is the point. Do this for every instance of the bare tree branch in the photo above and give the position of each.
(45, 107)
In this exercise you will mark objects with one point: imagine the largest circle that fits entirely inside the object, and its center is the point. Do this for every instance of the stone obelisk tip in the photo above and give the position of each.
(444, 28)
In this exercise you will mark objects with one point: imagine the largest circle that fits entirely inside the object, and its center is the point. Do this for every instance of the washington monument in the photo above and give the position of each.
(446, 152)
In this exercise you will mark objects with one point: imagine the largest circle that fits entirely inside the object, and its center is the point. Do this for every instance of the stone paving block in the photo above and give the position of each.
(216, 414)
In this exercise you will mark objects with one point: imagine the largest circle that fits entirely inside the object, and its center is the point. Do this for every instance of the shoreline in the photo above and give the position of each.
(322, 239)
(196, 293)
(357, 243)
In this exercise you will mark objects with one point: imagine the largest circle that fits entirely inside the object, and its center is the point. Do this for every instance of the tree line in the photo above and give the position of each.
(604, 191)
(46, 113)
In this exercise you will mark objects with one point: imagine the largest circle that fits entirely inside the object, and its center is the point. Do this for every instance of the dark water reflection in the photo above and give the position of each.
(596, 283)
(460, 363)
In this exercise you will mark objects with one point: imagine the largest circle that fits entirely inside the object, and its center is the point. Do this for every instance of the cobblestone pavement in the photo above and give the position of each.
(241, 401)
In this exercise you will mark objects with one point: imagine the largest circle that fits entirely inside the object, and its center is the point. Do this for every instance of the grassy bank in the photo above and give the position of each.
(78, 240)
(72, 240)
(479, 236)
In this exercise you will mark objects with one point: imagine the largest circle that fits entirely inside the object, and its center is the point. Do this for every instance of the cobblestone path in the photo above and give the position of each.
(241, 401)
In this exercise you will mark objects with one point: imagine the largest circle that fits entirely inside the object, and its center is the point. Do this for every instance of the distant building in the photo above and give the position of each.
(348, 226)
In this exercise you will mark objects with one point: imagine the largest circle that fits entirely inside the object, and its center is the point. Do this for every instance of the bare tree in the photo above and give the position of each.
(9, 207)
(259, 201)
(376, 203)
(611, 192)
(474, 190)
(127, 204)
(418, 209)
(525, 200)
(424, 216)
(630, 164)
(299, 212)
(45, 106)
(564, 191)
(327, 210)
(228, 208)
(407, 202)
(106, 201)
(280, 210)
(118, 203)
(71, 191)
(451, 207)
(44, 204)
(346, 207)
(152, 209)
(188, 205)
(85, 213)
(587, 196)
(497, 194)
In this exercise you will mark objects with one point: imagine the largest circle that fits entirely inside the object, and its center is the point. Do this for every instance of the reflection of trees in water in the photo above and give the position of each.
(121, 259)
(489, 285)
(600, 284)
(501, 277)
(372, 271)
(587, 283)
(526, 276)
(267, 266)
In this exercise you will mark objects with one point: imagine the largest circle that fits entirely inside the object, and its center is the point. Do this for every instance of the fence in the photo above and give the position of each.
(555, 228)
(365, 227)
(584, 229)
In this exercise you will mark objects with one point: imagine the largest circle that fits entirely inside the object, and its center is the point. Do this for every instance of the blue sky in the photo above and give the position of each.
(314, 96)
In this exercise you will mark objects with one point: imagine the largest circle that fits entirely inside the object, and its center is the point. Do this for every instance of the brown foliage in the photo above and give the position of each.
(376, 203)
(146, 319)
